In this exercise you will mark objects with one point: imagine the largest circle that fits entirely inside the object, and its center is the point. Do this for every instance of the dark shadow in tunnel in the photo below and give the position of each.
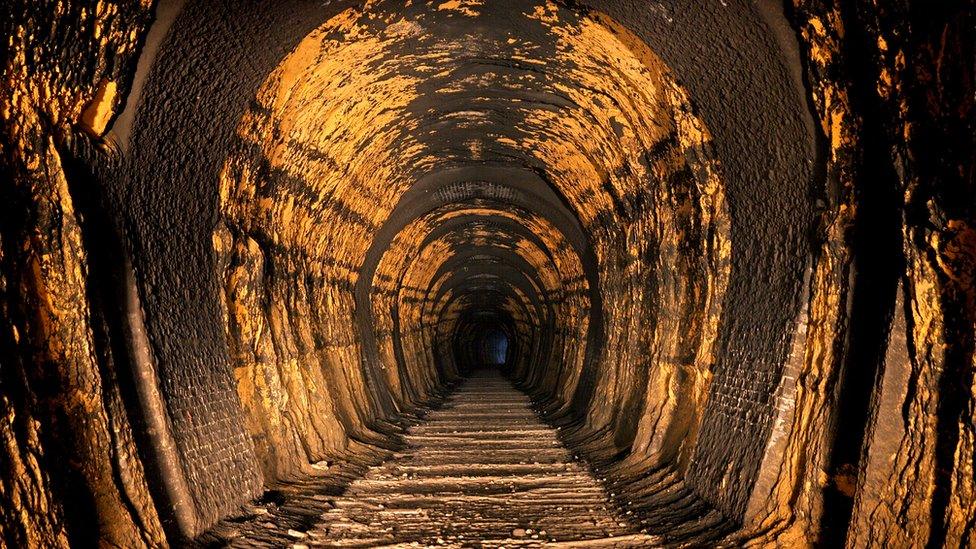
(485, 338)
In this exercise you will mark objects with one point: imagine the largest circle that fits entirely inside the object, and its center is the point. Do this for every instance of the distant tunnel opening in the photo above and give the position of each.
(494, 346)
(484, 341)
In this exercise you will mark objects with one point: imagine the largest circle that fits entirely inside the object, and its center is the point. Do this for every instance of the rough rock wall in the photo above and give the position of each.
(71, 472)
(875, 444)
(738, 63)
(917, 477)
(786, 504)
(168, 214)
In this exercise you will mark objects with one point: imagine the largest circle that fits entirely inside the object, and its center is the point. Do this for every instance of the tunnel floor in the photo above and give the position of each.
(481, 471)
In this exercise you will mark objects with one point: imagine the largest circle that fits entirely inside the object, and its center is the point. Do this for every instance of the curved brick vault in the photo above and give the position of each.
(725, 249)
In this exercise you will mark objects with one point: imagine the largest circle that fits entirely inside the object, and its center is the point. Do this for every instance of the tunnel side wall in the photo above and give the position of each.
(71, 470)
(167, 194)
(744, 88)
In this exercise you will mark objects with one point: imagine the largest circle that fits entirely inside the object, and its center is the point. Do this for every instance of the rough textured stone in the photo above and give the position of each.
(71, 470)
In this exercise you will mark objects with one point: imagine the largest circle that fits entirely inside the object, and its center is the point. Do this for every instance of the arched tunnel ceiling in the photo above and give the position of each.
(651, 153)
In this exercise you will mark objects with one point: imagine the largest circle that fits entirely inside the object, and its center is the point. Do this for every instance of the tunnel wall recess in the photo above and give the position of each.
(728, 246)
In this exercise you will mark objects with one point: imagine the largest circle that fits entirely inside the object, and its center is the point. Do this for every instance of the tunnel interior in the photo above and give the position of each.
(306, 225)
(391, 185)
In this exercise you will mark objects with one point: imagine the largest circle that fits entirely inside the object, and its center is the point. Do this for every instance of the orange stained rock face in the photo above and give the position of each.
(45, 95)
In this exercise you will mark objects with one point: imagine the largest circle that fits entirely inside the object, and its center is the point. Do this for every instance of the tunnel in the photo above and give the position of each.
(488, 273)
